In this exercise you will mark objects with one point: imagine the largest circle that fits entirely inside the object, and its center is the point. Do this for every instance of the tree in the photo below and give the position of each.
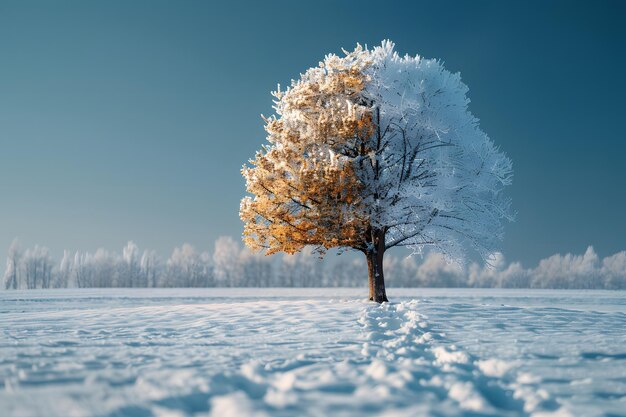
(12, 274)
(131, 268)
(106, 269)
(65, 271)
(150, 266)
(37, 267)
(372, 151)
(226, 266)
(256, 270)
(188, 268)
(82, 271)
(300, 269)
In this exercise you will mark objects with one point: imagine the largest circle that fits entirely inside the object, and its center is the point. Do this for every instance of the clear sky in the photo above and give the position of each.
(131, 119)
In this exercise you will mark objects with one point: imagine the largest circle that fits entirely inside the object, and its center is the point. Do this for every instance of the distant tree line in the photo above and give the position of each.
(231, 265)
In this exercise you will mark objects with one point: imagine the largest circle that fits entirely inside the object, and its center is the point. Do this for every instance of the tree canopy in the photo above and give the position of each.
(370, 151)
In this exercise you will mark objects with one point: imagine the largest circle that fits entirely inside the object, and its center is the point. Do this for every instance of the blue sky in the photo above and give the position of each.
(130, 120)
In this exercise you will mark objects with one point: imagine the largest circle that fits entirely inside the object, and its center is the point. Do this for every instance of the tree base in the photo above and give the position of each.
(380, 300)
(374, 255)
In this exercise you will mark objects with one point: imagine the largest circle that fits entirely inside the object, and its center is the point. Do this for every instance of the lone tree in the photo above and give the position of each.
(371, 151)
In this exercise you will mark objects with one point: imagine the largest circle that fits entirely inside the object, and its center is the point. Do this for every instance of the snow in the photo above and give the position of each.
(312, 352)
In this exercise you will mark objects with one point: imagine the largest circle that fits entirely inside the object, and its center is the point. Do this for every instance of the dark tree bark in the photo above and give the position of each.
(374, 255)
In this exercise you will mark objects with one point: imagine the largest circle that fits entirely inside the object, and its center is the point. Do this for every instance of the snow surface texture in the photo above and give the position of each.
(251, 352)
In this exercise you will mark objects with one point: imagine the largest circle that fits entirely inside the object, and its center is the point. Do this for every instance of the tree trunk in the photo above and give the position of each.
(375, 268)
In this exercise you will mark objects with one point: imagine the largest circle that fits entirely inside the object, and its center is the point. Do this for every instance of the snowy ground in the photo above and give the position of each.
(220, 352)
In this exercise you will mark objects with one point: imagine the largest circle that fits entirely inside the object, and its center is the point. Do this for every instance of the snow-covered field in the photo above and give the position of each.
(317, 352)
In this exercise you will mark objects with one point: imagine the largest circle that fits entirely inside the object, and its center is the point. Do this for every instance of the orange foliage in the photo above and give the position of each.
(303, 185)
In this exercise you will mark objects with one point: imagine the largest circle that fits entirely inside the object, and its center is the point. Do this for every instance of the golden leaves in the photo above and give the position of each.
(304, 188)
